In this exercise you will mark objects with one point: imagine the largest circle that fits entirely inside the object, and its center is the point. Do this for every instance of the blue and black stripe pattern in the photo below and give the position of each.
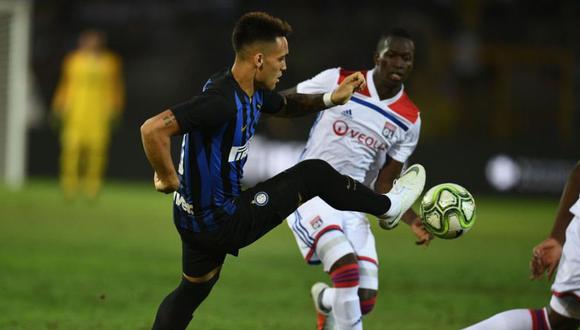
(212, 161)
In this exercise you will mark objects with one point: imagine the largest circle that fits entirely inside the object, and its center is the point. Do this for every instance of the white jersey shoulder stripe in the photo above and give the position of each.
(383, 112)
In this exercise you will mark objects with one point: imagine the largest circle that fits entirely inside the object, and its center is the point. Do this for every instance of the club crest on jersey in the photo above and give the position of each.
(389, 130)
(316, 222)
(261, 198)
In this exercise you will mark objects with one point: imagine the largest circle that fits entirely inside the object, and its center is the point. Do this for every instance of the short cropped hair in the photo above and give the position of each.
(393, 33)
(258, 26)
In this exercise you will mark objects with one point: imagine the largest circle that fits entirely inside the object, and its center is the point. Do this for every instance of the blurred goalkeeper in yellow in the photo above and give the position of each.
(89, 97)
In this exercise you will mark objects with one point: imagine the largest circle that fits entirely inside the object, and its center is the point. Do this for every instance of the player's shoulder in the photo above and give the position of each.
(112, 57)
(405, 108)
(220, 83)
(343, 73)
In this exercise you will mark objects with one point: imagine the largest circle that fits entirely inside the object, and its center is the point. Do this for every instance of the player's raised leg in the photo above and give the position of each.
(315, 177)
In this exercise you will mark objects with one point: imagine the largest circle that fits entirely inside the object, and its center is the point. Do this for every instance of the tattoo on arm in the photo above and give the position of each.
(168, 120)
(300, 104)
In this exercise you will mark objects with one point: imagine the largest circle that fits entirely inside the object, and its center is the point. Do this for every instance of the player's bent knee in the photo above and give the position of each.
(314, 169)
(560, 322)
(346, 276)
(367, 299)
(334, 250)
(203, 278)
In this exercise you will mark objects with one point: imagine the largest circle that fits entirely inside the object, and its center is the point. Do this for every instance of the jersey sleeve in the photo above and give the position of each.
(402, 150)
(575, 209)
(273, 102)
(209, 109)
(323, 82)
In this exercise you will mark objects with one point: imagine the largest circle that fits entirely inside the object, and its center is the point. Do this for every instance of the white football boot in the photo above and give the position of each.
(406, 190)
(324, 320)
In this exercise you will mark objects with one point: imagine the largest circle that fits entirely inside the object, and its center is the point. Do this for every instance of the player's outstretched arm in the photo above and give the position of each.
(156, 135)
(546, 255)
(297, 104)
(384, 183)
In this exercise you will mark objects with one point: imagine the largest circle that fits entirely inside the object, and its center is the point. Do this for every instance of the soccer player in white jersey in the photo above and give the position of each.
(561, 249)
(369, 138)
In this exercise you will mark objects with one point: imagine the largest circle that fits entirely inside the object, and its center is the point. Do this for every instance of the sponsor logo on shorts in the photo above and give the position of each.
(182, 203)
(316, 222)
(261, 198)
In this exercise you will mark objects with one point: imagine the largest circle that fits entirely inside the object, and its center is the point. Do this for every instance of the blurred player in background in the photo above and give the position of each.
(561, 249)
(212, 214)
(89, 97)
(369, 139)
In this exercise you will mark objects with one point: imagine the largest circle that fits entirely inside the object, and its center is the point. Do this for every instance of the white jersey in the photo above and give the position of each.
(575, 209)
(566, 286)
(355, 138)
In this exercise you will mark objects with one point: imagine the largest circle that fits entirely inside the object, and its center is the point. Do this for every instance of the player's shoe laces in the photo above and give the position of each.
(322, 314)
(406, 189)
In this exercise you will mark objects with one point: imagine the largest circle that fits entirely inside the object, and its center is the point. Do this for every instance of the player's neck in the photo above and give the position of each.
(243, 74)
(384, 89)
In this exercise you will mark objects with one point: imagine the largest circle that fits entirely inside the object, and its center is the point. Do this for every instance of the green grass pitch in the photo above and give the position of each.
(107, 265)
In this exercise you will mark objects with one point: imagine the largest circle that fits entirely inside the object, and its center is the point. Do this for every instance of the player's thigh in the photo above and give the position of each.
(561, 322)
(310, 222)
(200, 263)
(264, 206)
(566, 287)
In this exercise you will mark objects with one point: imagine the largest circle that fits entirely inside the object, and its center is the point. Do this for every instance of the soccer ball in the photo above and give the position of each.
(447, 210)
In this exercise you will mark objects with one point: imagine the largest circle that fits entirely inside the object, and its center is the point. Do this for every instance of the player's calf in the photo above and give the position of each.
(367, 299)
(346, 305)
(176, 310)
(339, 260)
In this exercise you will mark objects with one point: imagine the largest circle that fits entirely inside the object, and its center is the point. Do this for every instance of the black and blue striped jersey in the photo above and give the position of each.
(217, 127)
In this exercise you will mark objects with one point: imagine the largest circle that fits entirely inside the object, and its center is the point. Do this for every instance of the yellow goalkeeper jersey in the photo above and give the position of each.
(90, 90)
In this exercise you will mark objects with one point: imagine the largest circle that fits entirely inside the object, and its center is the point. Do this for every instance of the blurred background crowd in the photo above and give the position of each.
(497, 81)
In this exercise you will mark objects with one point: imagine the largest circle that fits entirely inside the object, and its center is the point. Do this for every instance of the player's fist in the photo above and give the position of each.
(421, 234)
(545, 258)
(166, 185)
(347, 87)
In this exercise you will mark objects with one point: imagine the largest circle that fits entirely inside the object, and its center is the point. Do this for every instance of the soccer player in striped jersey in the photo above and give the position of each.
(368, 138)
(212, 214)
(561, 249)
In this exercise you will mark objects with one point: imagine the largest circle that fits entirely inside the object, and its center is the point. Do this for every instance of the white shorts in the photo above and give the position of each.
(315, 217)
(566, 287)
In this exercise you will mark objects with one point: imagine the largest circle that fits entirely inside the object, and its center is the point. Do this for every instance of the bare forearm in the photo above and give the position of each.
(297, 104)
(157, 148)
(410, 216)
(569, 197)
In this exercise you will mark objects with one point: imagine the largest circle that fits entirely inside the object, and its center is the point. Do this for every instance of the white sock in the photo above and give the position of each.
(346, 309)
(327, 298)
(395, 205)
(515, 319)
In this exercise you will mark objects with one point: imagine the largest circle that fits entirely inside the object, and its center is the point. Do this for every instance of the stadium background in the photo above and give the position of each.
(497, 83)
(491, 77)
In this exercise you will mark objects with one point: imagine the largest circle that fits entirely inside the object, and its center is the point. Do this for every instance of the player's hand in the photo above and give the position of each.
(422, 235)
(347, 87)
(545, 259)
(166, 185)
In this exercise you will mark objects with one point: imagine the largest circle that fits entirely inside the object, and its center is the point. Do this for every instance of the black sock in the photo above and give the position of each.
(176, 310)
(339, 191)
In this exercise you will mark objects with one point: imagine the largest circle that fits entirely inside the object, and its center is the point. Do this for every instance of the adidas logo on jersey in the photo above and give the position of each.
(347, 113)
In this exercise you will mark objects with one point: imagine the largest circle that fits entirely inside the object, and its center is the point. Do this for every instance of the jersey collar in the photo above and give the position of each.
(373, 90)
